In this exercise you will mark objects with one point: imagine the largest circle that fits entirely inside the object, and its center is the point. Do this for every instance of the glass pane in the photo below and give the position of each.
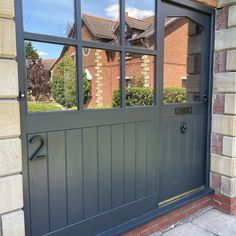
(51, 77)
(182, 61)
(101, 78)
(100, 21)
(140, 26)
(51, 17)
(139, 78)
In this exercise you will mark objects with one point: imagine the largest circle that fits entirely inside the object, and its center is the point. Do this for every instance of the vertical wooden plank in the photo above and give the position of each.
(151, 156)
(198, 142)
(38, 181)
(90, 167)
(170, 158)
(189, 158)
(117, 166)
(57, 179)
(182, 162)
(164, 151)
(129, 162)
(104, 168)
(141, 160)
(74, 175)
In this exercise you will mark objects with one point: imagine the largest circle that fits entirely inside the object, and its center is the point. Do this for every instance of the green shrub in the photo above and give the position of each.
(58, 90)
(140, 96)
(174, 95)
(86, 87)
(135, 96)
(64, 85)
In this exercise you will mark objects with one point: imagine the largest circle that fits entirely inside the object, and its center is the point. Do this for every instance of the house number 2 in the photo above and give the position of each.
(42, 144)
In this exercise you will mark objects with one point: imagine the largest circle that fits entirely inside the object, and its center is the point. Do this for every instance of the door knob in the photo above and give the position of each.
(183, 127)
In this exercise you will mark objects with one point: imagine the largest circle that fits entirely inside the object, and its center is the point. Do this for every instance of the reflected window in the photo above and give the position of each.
(100, 21)
(54, 17)
(140, 23)
(86, 51)
(139, 78)
(101, 79)
(182, 61)
(51, 77)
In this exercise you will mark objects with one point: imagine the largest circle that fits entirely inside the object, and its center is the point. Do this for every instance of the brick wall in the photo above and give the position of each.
(170, 218)
(11, 191)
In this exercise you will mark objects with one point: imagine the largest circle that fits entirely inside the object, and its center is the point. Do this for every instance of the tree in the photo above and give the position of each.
(64, 85)
(38, 80)
(30, 52)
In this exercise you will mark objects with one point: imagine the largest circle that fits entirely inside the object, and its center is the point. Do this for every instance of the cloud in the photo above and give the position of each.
(112, 11)
(41, 53)
(139, 13)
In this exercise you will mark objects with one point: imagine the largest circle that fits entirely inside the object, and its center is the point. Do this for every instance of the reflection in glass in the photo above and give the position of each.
(100, 21)
(54, 17)
(182, 61)
(51, 77)
(101, 79)
(139, 77)
(139, 23)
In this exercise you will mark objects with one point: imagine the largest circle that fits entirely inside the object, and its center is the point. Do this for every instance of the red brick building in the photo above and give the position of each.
(103, 67)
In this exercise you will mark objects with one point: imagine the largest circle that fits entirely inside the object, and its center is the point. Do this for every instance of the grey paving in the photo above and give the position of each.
(217, 222)
(207, 222)
(186, 230)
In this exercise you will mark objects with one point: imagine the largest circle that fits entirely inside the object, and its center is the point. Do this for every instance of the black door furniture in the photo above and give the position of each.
(94, 160)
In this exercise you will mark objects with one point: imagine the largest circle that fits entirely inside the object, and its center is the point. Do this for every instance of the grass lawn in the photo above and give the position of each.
(43, 106)
(53, 106)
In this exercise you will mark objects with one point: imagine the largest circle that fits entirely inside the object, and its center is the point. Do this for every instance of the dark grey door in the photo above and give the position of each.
(184, 103)
(91, 163)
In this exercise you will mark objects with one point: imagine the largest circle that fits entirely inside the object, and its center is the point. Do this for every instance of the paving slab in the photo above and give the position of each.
(206, 222)
(187, 229)
(217, 222)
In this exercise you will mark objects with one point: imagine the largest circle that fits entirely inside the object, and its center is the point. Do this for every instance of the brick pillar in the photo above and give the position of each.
(223, 151)
(145, 68)
(11, 191)
(98, 77)
(194, 61)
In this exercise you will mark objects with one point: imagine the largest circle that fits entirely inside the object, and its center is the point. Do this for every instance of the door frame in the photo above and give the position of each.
(159, 211)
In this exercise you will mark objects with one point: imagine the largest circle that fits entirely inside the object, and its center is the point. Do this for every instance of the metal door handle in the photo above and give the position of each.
(183, 127)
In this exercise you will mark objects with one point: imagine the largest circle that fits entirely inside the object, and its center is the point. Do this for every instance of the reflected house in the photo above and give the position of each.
(103, 67)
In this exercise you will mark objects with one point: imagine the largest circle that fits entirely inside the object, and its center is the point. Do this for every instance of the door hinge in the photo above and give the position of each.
(21, 96)
(205, 97)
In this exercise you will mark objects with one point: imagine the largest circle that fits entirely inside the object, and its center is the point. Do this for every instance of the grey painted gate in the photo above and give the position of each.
(183, 127)
(88, 171)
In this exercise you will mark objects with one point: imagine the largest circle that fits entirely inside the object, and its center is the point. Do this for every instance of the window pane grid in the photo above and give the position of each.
(80, 43)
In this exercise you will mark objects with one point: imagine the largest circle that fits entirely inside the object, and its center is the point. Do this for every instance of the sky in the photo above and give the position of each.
(55, 17)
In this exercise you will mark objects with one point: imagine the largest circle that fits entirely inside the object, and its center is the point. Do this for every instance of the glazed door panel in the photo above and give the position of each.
(183, 118)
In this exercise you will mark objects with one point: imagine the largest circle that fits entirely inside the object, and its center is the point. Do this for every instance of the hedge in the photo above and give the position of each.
(174, 95)
(135, 96)
(141, 96)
